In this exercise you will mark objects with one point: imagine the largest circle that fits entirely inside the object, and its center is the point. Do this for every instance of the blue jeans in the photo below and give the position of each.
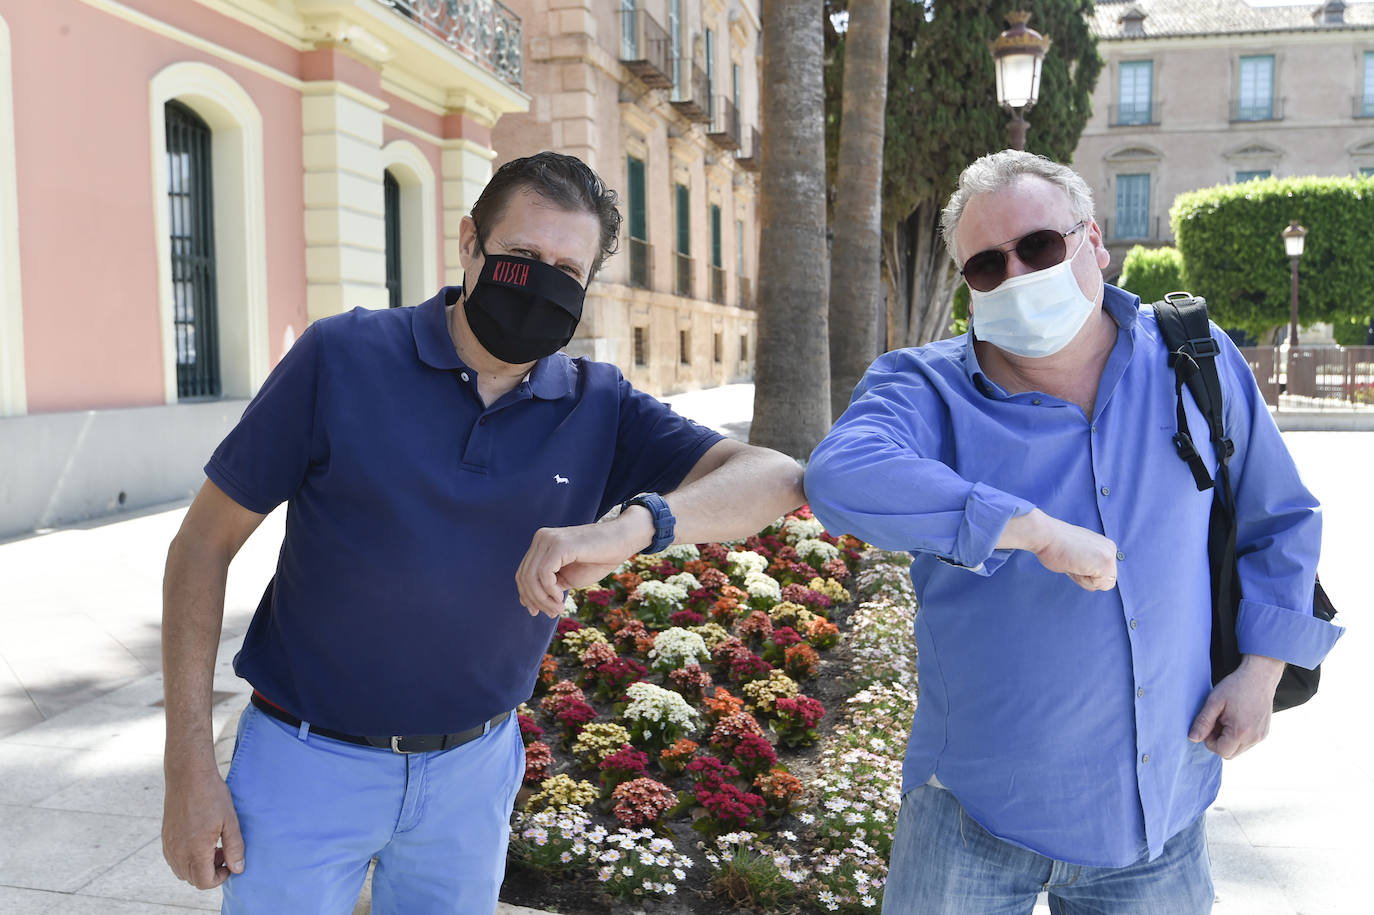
(314, 812)
(944, 863)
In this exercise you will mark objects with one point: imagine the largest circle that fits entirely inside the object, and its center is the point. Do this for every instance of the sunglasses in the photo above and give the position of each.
(1038, 250)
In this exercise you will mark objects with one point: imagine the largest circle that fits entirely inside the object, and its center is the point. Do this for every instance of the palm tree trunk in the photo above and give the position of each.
(856, 287)
(792, 364)
(924, 278)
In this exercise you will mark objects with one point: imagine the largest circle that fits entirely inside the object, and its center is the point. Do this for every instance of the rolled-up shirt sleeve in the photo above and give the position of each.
(1278, 530)
(877, 475)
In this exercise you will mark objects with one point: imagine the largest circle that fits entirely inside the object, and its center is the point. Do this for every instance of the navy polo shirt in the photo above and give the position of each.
(394, 609)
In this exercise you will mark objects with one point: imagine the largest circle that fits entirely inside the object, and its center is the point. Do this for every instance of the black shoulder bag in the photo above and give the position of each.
(1183, 321)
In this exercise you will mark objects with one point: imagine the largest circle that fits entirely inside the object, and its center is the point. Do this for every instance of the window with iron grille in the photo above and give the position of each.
(1256, 96)
(743, 347)
(1133, 93)
(1255, 175)
(190, 201)
(684, 347)
(641, 346)
(1132, 206)
(391, 195)
(718, 348)
(635, 205)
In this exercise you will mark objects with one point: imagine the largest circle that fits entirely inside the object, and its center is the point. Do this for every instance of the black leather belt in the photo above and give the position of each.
(426, 743)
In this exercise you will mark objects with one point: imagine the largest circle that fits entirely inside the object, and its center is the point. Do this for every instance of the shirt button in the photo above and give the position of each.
(482, 421)
(1093, 428)
(1145, 758)
(1107, 492)
(464, 376)
(1119, 555)
(1036, 401)
(1132, 624)
(1140, 693)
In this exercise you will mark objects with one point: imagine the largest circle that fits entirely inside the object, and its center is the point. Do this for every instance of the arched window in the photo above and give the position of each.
(191, 225)
(391, 195)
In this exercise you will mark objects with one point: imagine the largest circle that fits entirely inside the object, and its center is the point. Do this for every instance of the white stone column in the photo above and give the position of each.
(345, 229)
(467, 169)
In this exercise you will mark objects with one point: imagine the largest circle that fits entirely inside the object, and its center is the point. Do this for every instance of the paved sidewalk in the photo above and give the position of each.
(81, 726)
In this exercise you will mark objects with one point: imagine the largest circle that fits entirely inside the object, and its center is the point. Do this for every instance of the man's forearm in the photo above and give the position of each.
(192, 616)
(748, 491)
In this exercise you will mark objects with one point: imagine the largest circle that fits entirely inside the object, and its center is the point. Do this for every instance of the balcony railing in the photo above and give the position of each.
(641, 263)
(1363, 106)
(1266, 110)
(692, 95)
(1146, 229)
(724, 131)
(482, 30)
(684, 265)
(645, 49)
(751, 156)
(1146, 115)
(717, 284)
(746, 293)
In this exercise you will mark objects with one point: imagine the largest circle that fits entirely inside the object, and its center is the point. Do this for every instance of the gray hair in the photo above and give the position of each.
(997, 170)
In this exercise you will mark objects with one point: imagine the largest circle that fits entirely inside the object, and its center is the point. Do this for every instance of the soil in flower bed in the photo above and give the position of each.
(580, 892)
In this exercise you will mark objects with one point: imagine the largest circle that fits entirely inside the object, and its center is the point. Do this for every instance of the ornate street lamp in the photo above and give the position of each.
(1293, 240)
(1016, 55)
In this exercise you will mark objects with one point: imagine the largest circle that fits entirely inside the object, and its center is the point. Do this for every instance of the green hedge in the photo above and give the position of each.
(1152, 273)
(1233, 254)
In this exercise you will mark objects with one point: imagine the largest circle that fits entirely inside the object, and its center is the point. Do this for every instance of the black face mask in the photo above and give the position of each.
(522, 310)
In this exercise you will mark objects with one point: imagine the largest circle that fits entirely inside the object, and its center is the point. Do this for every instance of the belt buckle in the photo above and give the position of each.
(396, 747)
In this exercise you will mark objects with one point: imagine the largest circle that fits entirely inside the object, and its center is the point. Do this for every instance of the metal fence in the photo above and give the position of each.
(1342, 374)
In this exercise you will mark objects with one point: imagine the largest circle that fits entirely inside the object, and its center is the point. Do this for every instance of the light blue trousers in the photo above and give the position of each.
(314, 812)
(944, 863)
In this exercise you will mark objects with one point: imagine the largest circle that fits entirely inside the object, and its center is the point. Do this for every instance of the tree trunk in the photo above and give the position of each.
(792, 362)
(855, 271)
(923, 279)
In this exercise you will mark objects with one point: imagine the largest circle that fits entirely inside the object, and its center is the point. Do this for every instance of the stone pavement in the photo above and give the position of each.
(81, 727)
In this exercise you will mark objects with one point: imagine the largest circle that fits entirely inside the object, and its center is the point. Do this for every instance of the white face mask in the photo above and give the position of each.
(1035, 314)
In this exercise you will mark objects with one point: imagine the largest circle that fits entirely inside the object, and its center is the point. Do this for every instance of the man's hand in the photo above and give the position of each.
(560, 558)
(198, 815)
(1085, 556)
(1236, 714)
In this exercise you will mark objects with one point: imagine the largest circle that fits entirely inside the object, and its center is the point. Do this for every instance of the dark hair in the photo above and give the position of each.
(563, 180)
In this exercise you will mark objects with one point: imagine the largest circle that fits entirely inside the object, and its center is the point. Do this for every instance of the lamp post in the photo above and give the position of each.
(1293, 240)
(1017, 55)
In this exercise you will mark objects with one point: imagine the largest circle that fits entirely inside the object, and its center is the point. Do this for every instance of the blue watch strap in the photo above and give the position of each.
(664, 522)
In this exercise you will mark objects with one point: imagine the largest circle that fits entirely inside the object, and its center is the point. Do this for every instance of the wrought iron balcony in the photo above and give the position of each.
(746, 294)
(684, 271)
(1257, 109)
(724, 131)
(1136, 115)
(751, 157)
(692, 95)
(645, 49)
(641, 263)
(481, 30)
(717, 284)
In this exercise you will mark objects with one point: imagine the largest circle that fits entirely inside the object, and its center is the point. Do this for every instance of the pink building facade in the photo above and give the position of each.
(185, 185)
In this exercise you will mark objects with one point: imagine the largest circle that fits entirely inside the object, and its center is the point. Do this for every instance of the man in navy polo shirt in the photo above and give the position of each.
(443, 467)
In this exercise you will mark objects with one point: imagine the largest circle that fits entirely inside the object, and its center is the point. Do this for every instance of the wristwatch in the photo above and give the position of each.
(664, 522)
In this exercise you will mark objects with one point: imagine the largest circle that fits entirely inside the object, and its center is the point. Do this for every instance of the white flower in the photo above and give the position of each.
(794, 529)
(661, 592)
(650, 703)
(682, 552)
(761, 586)
(744, 562)
(816, 552)
(868, 902)
(669, 889)
(685, 580)
(676, 647)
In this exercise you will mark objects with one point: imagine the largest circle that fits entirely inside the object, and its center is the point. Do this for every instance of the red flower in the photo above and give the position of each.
(754, 754)
(574, 715)
(538, 758)
(623, 765)
(749, 667)
(729, 806)
(567, 624)
(529, 731)
(642, 801)
(803, 710)
(710, 771)
(714, 553)
(685, 618)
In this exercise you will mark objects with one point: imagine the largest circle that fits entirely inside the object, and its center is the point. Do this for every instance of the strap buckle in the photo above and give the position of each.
(396, 746)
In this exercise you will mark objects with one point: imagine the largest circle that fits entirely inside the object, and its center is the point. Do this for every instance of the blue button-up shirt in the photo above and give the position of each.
(410, 504)
(1057, 716)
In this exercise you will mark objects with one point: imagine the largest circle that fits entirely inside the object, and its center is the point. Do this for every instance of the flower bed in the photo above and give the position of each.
(719, 726)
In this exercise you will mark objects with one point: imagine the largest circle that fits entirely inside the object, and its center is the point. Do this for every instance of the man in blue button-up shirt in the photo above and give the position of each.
(1068, 736)
(443, 467)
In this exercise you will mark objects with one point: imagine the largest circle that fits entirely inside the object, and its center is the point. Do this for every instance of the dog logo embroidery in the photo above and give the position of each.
(559, 479)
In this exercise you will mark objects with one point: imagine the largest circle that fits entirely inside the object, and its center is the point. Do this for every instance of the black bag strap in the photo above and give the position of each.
(1182, 320)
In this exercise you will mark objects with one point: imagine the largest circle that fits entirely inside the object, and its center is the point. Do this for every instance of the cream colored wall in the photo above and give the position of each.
(585, 103)
(1316, 74)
